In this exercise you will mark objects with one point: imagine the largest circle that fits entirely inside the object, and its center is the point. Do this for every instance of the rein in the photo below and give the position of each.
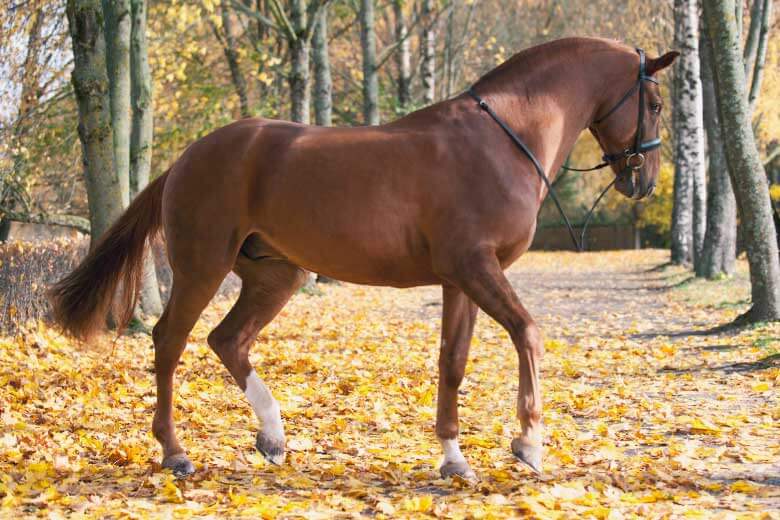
(633, 156)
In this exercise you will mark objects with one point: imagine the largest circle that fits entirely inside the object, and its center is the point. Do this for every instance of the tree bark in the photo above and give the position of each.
(117, 34)
(758, 68)
(428, 49)
(370, 72)
(720, 242)
(688, 216)
(90, 85)
(141, 102)
(403, 56)
(141, 142)
(300, 92)
(748, 176)
(751, 42)
(323, 83)
(231, 55)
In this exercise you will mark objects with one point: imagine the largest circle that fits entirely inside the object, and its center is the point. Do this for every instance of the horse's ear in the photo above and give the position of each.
(654, 65)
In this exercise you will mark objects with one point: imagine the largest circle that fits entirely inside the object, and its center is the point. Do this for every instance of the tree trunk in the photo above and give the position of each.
(299, 74)
(90, 85)
(231, 55)
(758, 68)
(720, 242)
(370, 73)
(751, 42)
(688, 216)
(118, 29)
(449, 54)
(402, 56)
(748, 176)
(141, 142)
(141, 104)
(323, 84)
(428, 49)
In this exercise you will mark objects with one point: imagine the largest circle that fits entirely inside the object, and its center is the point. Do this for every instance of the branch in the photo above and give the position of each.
(282, 20)
(388, 51)
(257, 16)
(72, 221)
(313, 13)
(774, 154)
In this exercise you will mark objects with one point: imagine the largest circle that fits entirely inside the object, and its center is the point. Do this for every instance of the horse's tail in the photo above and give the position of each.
(81, 301)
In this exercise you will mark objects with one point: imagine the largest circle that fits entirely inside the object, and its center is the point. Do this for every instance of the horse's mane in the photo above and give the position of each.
(538, 55)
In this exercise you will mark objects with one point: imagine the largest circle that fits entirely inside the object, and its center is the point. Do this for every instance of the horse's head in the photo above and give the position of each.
(627, 128)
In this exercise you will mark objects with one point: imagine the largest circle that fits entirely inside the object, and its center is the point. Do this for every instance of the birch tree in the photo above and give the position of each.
(141, 141)
(297, 29)
(428, 51)
(117, 33)
(688, 216)
(748, 176)
(403, 56)
(323, 83)
(370, 68)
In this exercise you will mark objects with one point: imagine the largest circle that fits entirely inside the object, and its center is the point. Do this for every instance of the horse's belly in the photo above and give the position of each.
(369, 261)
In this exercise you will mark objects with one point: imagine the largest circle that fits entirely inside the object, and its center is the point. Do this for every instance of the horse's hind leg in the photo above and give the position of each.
(267, 285)
(189, 296)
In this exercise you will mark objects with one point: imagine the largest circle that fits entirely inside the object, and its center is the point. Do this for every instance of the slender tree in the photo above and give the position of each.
(428, 50)
(720, 242)
(141, 141)
(403, 56)
(90, 85)
(688, 216)
(751, 42)
(297, 29)
(370, 69)
(228, 41)
(117, 34)
(748, 176)
(300, 91)
(323, 83)
(761, 47)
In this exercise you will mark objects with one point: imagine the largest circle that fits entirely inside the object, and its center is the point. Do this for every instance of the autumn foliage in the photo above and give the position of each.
(646, 413)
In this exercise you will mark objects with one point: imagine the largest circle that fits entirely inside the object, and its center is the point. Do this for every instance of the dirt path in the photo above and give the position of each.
(646, 413)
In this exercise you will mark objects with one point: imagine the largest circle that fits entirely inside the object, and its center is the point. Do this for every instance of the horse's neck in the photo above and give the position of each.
(548, 108)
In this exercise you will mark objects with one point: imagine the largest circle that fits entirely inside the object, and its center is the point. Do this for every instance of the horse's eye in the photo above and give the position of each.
(655, 108)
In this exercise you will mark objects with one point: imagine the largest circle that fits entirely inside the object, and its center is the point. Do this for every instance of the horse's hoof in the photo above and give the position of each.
(528, 454)
(272, 449)
(461, 469)
(179, 464)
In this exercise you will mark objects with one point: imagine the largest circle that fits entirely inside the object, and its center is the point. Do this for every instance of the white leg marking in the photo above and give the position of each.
(265, 406)
(451, 451)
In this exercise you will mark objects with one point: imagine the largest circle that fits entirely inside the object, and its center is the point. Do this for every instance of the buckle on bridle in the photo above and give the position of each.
(639, 157)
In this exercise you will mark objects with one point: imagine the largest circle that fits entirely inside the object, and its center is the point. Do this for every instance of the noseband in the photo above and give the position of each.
(634, 155)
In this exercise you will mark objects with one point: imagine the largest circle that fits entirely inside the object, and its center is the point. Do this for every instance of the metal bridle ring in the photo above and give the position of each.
(640, 158)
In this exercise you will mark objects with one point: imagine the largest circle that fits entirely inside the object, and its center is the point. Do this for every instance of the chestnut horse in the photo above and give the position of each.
(441, 196)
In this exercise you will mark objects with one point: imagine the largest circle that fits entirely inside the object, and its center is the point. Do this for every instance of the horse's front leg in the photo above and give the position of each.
(481, 278)
(457, 326)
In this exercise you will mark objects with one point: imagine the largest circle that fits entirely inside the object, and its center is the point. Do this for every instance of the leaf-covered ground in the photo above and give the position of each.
(647, 414)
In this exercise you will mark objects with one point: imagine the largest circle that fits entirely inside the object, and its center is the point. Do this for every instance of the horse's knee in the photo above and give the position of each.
(527, 337)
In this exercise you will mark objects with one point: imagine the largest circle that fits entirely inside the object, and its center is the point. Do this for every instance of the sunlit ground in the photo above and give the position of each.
(646, 414)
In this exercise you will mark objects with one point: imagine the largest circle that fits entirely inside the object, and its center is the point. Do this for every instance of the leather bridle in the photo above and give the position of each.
(634, 156)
